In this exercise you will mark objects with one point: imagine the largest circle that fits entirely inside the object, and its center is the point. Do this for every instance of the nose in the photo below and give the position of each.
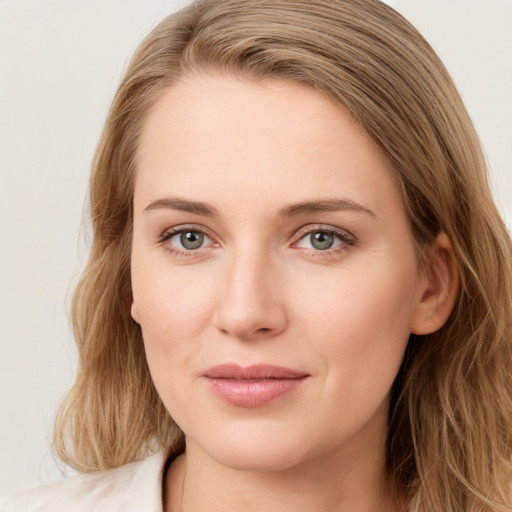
(251, 305)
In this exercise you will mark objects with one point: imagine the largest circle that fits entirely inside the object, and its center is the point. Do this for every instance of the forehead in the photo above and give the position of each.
(272, 138)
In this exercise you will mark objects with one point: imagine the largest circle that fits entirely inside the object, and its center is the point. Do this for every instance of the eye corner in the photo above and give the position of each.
(333, 239)
(174, 242)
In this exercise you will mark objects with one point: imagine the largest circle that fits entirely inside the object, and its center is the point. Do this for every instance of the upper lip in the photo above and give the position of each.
(253, 372)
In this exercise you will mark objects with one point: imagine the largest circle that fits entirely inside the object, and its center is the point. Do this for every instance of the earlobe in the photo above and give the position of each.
(439, 287)
(135, 313)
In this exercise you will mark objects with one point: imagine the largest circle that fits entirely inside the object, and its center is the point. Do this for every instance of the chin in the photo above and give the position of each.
(254, 449)
(256, 458)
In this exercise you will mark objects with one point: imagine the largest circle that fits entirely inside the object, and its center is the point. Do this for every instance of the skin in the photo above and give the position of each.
(258, 291)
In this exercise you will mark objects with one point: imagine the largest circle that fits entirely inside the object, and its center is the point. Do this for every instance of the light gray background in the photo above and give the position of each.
(60, 64)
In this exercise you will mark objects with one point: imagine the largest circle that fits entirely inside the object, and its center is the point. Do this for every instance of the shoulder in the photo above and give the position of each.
(130, 488)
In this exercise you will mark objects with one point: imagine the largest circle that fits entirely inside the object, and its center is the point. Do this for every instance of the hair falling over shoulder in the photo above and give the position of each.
(450, 426)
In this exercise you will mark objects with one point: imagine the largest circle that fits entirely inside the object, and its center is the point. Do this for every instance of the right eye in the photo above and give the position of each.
(187, 239)
(186, 242)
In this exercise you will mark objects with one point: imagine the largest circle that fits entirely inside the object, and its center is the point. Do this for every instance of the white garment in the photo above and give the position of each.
(136, 487)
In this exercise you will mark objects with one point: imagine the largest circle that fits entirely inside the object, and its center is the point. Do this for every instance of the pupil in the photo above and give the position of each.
(322, 241)
(191, 240)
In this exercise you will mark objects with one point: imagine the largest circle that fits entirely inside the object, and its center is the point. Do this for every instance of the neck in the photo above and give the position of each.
(345, 479)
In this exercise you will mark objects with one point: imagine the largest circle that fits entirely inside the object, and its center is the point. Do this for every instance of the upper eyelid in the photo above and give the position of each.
(167, 233)
(164, 240)
(312, 228)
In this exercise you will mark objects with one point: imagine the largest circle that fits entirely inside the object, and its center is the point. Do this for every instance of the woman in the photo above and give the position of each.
(299, 291)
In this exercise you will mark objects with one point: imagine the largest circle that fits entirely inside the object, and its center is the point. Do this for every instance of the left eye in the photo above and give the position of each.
(320, 240)
(188, 240)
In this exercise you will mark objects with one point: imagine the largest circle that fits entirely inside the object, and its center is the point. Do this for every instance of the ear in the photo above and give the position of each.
(135, 313)
(439, 284)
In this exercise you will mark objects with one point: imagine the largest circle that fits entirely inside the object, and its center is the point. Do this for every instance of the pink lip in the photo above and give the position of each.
(252, 386)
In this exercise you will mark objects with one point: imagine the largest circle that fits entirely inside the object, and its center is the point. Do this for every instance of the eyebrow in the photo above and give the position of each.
(324, 205)
(289, 210)
(183, 205)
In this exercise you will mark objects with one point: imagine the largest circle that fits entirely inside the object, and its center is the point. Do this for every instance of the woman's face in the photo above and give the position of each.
(274, 275)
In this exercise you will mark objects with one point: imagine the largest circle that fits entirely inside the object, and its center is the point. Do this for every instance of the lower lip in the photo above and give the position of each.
(253, 393)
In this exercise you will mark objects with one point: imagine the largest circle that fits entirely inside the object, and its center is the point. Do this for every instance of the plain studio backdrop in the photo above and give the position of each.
(61, 62)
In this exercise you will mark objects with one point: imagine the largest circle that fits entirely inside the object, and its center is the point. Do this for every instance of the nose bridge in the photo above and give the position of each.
(251, 304)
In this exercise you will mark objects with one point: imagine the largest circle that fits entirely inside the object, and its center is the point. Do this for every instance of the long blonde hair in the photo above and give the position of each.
(450, 427)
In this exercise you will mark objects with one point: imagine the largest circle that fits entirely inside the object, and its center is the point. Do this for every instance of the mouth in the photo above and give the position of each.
(252, 386)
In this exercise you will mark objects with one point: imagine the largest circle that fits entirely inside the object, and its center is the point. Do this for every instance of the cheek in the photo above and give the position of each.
(359, 318)
(173, 310)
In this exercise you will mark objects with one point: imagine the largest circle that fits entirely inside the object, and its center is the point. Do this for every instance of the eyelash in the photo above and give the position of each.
(347, 240)
(181, 253)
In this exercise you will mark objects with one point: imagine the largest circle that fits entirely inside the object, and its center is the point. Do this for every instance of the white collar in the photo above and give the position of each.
(134, 487)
